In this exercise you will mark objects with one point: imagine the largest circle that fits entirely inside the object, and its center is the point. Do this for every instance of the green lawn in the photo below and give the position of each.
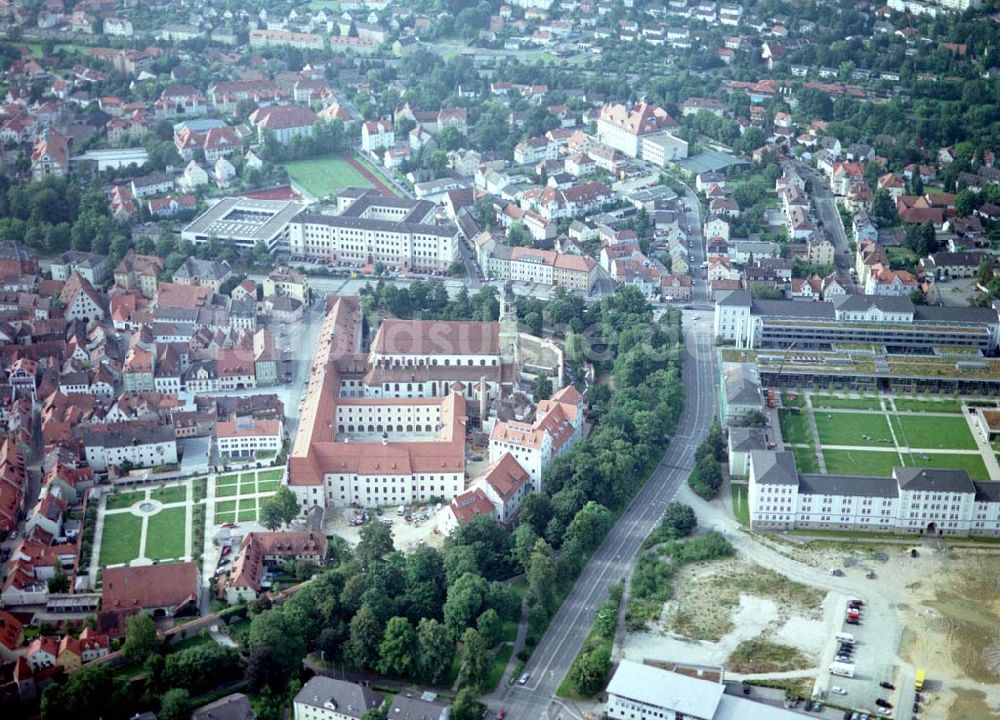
(120, 539)
(227, 479)
(247, 514)
(499, 665)
(901, 257)
(935, 432)
(165, 535)
(226, 490)
(270, 474)
(741, 506)
(125, 499)
(324, 176)
(36, 48)
(173, 494)
(267, 485)
(225, 507)
(247, 477)
(790, 400)
(846, 403)
(839, 428)
(805, 459)
(973, 464)
(794, 427)
(860, 462)
(939, 406)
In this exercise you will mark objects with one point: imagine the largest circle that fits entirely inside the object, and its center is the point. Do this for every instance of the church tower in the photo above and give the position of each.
(509, 350)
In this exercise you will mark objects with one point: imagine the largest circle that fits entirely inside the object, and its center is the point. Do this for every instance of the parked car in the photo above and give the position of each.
(523, 680)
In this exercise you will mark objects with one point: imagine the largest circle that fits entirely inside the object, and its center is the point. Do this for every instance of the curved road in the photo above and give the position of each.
(614, 558)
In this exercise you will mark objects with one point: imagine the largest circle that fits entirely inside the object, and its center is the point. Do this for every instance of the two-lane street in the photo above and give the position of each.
(613, 560)
(826, 211)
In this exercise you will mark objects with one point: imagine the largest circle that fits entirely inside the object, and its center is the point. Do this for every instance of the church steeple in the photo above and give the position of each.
(509, 351)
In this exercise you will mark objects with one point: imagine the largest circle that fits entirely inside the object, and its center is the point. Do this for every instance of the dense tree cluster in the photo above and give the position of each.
(706, 478)
(428, 299)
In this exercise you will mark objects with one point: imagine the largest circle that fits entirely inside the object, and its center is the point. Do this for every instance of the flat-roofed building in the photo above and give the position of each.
(244, 222)
(890, 322)
(644, 692)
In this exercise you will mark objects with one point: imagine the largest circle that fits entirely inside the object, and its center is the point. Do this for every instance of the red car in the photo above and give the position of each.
(502, 714)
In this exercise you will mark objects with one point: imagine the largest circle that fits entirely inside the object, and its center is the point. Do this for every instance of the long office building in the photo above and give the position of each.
(889, 324)
(369, 228)
(918, 501)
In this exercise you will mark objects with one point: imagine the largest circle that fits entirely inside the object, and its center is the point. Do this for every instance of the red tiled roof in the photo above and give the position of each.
(152, 586)
(436, 337)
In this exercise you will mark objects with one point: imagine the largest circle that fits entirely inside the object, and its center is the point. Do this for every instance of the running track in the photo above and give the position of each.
(378, 184)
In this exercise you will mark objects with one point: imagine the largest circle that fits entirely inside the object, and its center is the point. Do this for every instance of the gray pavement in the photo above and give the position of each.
(614, 558)
(826, 209)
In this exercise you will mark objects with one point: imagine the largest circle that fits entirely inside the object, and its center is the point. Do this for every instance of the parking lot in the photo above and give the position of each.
(407, 534)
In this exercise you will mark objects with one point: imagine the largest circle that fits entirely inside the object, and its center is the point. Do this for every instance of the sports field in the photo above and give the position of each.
(868, 435)
(845, 428)
(322, 177)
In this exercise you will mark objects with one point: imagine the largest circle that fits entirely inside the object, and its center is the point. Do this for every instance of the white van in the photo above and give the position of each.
(401, 510)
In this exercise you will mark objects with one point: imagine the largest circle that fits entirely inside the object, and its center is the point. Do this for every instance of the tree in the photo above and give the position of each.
(398, 649)
(379, 713)
(459, 560)
(365, 638)
(90, 692)
(524, 541)
(491, 544)
(541, 389)
(542, 578)
(716, 440)
(475, 657)
(680, 519)
(59, 583)
(140, 637)
(589, 526)
(490, 627)
(270, 516)
(466, 707)
(281, 635)
(375, 544)
(435, 649)
(466, 598)
(282, 506)
(175, 704)
(590, 670)
(200, 668)
(884, 209)
(754, 419)
(536, 511)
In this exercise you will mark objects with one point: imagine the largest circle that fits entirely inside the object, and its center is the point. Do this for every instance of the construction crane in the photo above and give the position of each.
(772, 395)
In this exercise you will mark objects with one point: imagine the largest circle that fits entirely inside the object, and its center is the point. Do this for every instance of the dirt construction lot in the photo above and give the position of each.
(406, 536)
(777, 619)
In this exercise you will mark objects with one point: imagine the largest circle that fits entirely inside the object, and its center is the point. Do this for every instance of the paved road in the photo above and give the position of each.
(614, 558)
(826, 209)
